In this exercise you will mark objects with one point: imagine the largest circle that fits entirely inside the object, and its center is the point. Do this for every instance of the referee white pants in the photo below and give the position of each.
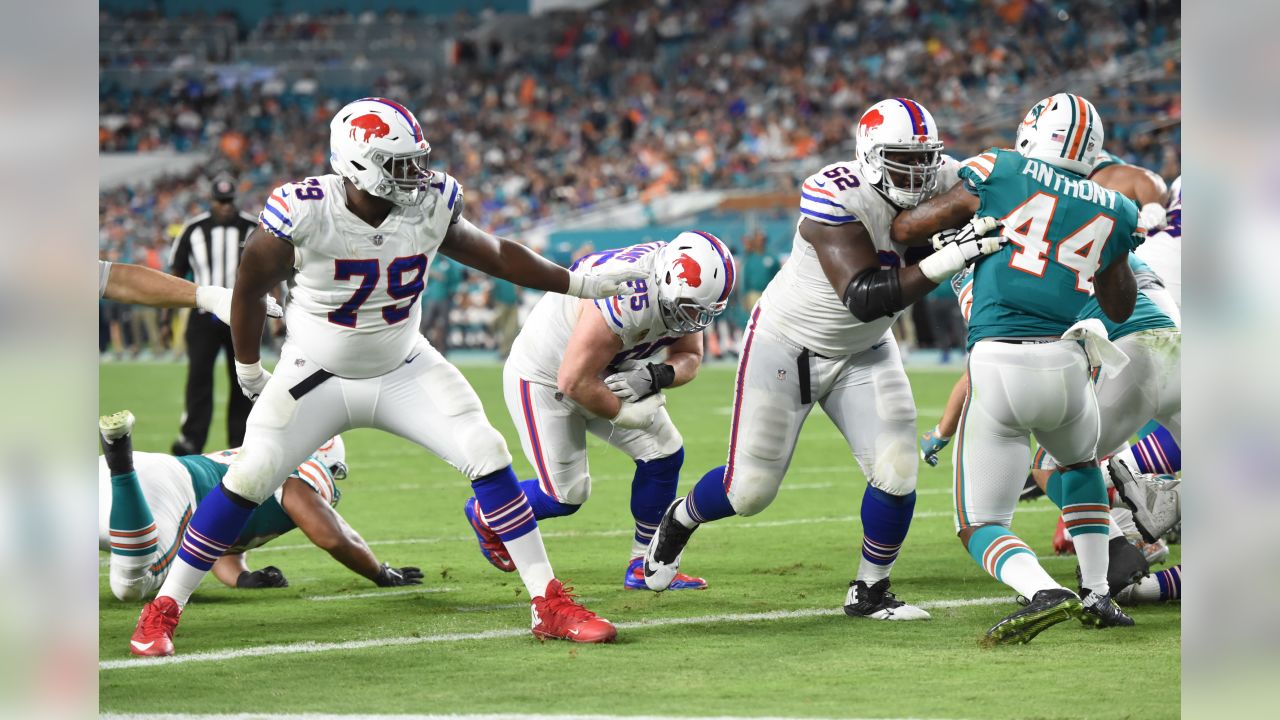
(1016, 391)
(867, 396)
(424, 400)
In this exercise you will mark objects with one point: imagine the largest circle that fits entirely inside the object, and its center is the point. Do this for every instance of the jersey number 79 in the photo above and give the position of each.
(369, 272)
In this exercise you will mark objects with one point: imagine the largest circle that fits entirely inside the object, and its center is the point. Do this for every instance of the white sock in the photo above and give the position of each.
(1023, 573)
(1122, 524)
(530, 557)
(871, 573)
(183, 580)
(683, 517)
(1094, 554)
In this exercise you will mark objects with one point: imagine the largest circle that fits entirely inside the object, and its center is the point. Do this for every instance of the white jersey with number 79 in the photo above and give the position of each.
(353, 302)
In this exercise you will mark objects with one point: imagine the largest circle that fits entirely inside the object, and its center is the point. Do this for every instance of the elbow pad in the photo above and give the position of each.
(873, 294)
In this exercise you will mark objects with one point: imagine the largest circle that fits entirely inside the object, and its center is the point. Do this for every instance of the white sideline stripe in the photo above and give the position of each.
(493, 716)
(315, 647)
(483, 716)
(630, 531)
(388, 593)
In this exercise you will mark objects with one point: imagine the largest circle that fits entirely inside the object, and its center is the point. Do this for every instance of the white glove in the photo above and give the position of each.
(253, 378)
(593, 286)
(1152, 217)
(217, 300)
(636, 415)
(955, 251)
(631, 384)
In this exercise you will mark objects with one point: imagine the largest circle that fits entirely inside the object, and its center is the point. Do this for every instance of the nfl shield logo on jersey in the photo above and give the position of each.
(377, 240)
(782, 376)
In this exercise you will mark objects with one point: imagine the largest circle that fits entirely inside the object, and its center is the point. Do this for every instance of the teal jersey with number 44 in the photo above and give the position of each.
(1062, 228)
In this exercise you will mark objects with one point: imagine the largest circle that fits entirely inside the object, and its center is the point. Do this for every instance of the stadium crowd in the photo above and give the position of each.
(634, 99)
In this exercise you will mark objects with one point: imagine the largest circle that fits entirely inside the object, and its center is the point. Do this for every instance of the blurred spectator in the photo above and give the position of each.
(443, 280)
(506, 306)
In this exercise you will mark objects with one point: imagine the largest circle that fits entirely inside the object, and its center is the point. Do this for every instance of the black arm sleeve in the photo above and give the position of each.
(873, 294)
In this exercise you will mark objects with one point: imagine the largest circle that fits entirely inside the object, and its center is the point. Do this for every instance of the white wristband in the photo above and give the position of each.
(575, 284)
(205, 298)
(941, 265)
(252, 369)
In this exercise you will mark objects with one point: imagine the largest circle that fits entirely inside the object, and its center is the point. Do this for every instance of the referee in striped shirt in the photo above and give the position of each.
(208, 252)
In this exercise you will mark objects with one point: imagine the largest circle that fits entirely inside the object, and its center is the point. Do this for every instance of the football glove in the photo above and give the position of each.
(253, 378)
(217, 300)
(636, 415)
(267, 577)
(641, 382)
(395, 577)
(953, 251)
(593, 286)
(932, 443)
(1152, 217)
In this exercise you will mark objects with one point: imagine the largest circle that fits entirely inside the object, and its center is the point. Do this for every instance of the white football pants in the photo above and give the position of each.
(166, 486)
(867, 395)
(1015, 391)
(553, 433)
(424, 400)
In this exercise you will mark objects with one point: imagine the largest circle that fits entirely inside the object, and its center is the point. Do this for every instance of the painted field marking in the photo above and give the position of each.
(318, 647)
(482, 716)
(386, 593)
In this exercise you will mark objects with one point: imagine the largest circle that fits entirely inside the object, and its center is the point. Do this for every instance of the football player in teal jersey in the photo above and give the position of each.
(146, 500)
(1068, 239)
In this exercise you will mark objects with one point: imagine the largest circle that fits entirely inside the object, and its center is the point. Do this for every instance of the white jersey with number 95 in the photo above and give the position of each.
(635, 319)
(353, 302)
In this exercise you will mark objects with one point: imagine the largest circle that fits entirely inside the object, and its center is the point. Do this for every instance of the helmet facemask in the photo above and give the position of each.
(684, 315)
(908, 172)
(404, 176)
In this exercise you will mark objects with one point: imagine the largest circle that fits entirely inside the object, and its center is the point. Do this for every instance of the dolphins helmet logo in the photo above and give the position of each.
(690, 270)
(372, 125)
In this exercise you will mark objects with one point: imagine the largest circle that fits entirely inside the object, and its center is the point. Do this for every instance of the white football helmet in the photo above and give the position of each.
(899, 149)
(694, 275)
(333, 453)
(1063, 130)
(378, 145)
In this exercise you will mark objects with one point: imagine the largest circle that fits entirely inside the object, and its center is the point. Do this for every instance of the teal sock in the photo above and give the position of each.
(131, 526)
(1008, 559)
(1087, 516)
(1053, 488)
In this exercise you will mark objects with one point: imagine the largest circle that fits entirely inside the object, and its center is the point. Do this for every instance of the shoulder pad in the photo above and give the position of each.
(316, 476)
(450, 191)
(285, 208)
(979, 167)
(833, 195)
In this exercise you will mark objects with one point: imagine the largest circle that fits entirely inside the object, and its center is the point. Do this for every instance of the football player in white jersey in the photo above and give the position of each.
(821, 333)
(576, 365)
(145, 501)
(1163, 248)
(355, 246)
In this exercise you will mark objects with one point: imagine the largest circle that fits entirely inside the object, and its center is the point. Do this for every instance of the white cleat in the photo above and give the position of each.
(1156, 504)
(876, 602)
(662, 559)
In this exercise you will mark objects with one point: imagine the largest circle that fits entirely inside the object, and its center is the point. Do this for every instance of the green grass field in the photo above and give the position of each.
(460, 642)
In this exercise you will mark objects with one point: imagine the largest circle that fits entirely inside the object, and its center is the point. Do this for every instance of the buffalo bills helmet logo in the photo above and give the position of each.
(873, 119)
(690, 271)
(372, 125)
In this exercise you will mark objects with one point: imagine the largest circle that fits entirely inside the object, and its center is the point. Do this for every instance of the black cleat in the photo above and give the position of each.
(1030, 490)
(662, 559)
(1047, 608)
(876, 602)
(115, 431)
(183, 447)
(1101, 612)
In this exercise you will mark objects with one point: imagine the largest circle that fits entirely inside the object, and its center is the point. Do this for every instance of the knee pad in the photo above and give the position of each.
(256, 473)
(574, 490)
(752, 490)
(895, 467)
(894, 402)
(483, 448)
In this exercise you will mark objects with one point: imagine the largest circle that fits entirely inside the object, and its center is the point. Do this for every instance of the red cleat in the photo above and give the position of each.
(556, 615)
(491, 545)
(154, 635)
(1062, 544)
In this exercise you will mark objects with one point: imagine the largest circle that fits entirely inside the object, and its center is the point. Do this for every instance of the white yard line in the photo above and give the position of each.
(430, 540)
(481, 716)
(385, 593)
(494, 716)
(315, 647)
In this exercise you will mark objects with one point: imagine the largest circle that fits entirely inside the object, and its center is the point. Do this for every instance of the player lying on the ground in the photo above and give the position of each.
(145, 501)
(1068, 240)
(821, 333)
(138, 285)
(578, 366)
(357, 245)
